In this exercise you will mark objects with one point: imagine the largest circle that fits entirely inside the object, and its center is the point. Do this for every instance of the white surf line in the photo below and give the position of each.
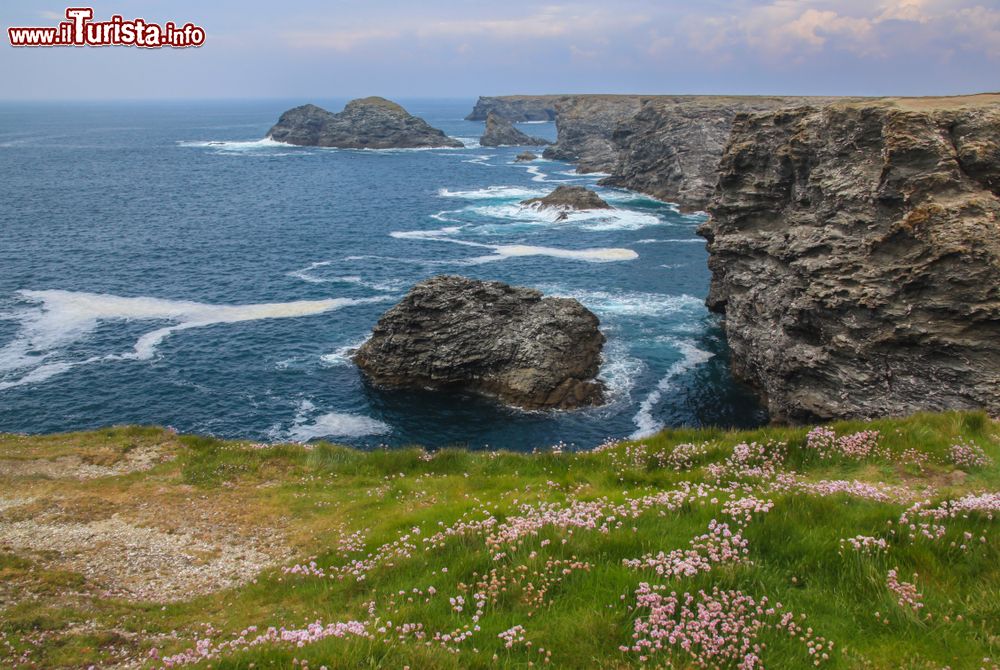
(65, 317)
(505, 251)
(645, 424)
(332, 424)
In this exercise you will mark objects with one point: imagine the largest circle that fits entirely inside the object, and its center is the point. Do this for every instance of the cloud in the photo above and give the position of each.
(551, 22)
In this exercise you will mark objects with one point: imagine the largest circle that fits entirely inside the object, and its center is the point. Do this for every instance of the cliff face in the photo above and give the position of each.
(516, 108)
(586, 126)
(671, 148)
(855, 252)
(500, 132)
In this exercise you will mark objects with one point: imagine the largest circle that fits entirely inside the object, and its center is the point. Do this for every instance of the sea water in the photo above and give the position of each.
(164, 264)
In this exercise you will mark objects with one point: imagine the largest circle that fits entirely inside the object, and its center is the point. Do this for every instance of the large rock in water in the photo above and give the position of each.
(490, 338)
(855, 252)
(568, 199)
(501, 133)
(366, 123)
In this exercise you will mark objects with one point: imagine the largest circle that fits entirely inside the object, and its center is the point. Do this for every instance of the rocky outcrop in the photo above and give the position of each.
(855, 252)
(516, 108)
(568, 199)
(525, 157)
(490, 338)
(671, 148)
(586, 125)
(501, 133)
(366, 123)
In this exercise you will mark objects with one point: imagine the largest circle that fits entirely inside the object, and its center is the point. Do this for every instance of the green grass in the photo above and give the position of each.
(319, 495)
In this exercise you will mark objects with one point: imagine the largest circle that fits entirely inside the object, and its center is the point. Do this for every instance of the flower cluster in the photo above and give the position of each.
(751, 460)
(684, 456)
(713, 630)
(718, 545)
(856, 446)
(969, 455)
(205, 649)
(906, 593)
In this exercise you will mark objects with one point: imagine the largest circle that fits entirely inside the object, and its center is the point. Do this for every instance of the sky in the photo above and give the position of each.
(438, 48)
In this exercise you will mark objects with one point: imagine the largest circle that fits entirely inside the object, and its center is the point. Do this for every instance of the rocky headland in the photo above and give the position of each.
(855, 253)
(516, 108)
(501, 133)
(490, 338)
(365, 123)
(568, 199)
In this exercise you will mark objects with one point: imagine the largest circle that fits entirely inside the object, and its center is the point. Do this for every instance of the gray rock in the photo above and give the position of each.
(855, 253)
(366, 123)
(525, 157)
(586, 125)
(671, 148)
(567, 199)
(516, 108)
(489, 338)
(501, 133)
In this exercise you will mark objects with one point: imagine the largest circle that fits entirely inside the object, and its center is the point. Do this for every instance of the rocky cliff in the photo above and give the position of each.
(516, 108)
(366, 123)
(586, 125)
(671, 148)
(500, 132)
(855, 252)
(502, 341)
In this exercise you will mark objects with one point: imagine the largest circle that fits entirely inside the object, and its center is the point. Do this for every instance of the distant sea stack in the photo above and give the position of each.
(366, 123)
(501, 133)
(490, 338)
(855, 253)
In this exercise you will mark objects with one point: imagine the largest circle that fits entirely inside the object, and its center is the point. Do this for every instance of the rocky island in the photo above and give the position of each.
(490, 338)
(365, 123)
(501, 133)
(855, 253)
(568, 199)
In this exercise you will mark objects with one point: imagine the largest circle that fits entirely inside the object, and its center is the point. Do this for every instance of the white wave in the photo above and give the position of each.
(630, 303)
(236, 146)
(692, 357)
(342, 355)
(335, 424)
(596, 220)
(686, 240)
(619, 370)
(538, 176)
(469, 142)
(494, 193)
(603, 255)
(306, 275)
(65, 317)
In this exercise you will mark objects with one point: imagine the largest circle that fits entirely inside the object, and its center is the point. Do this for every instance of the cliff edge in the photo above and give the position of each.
(855, 253)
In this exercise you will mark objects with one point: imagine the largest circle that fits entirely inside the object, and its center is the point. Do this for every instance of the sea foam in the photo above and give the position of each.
(692, 357)
(64, 317)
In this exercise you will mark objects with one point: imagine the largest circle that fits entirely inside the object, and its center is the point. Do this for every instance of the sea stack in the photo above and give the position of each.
(501, 133)
(568, 199)
(487, 337)
(366, 123)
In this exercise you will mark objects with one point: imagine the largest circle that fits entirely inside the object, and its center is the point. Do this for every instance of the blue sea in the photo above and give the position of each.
(161, 263)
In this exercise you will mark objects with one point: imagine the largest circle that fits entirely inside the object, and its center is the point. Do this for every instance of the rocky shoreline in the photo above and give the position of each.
(853, 242)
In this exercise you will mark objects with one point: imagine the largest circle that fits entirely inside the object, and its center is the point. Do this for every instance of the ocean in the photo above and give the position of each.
(163, 264)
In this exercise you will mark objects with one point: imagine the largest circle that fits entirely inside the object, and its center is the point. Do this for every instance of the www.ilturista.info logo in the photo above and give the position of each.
(81, 31)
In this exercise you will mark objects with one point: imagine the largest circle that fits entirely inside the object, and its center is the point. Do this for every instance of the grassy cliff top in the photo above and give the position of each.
(858, 545)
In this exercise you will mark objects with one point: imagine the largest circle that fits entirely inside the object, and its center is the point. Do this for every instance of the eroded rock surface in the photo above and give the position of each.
(568, 199)
(501, 133)
(855, 252)
(487, 337)
(365, 123)
(516, 108)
